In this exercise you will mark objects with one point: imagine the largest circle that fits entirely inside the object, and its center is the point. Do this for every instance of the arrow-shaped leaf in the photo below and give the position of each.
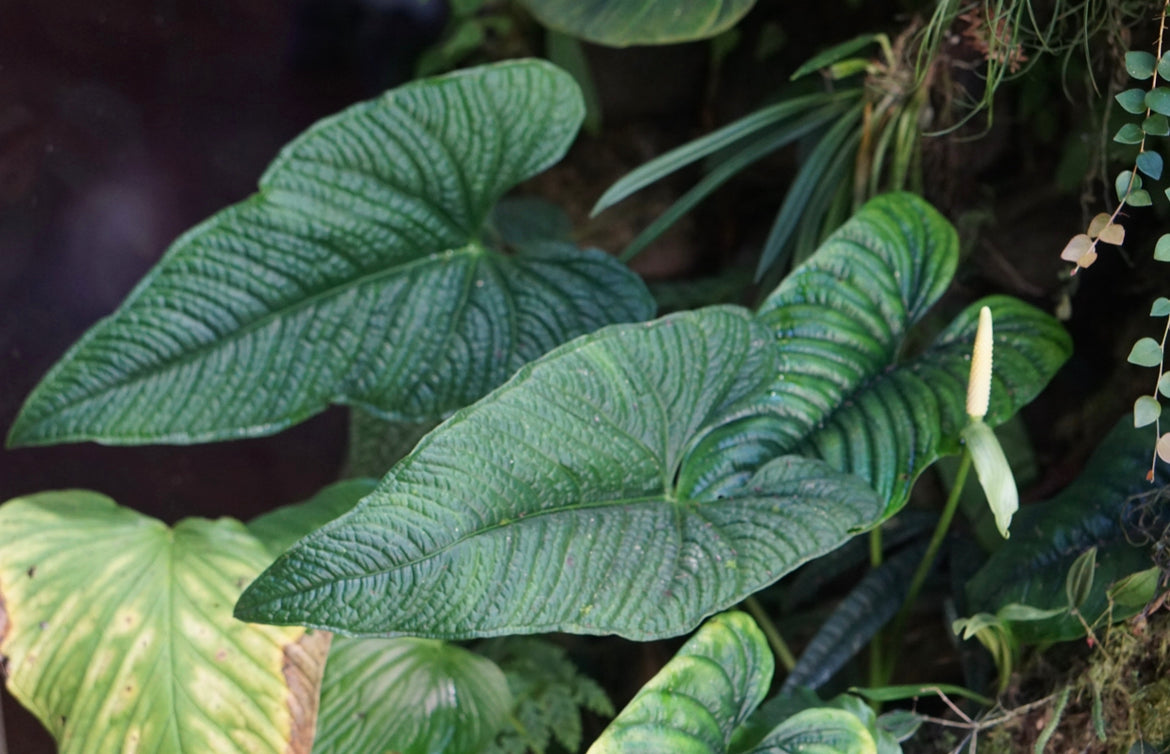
(363, 272)
(639, 479)
(118, 635)
(552, 506)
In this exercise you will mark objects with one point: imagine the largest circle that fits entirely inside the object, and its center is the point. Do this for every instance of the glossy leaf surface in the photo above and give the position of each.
(639, 479)
(1110, 506)
(698, 699)
(409, 696)
(363, 272)
(118, 633)
(619, 23)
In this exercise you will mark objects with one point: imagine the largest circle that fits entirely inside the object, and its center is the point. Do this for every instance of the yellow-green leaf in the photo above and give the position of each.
(995, 474)
(1098, 224)
(120, 636)
(1079, 250)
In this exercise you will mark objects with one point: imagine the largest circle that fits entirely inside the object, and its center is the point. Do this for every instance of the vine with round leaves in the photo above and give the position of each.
(1152, 105)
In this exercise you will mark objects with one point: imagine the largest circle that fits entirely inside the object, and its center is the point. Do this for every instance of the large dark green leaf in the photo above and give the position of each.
(843, 392)
(619, 23)
(639, 479)
(409, 696)
(116, 631)
(1110, 506)
(280, 528)
(697, 700)
(361, 273)
(528, 505)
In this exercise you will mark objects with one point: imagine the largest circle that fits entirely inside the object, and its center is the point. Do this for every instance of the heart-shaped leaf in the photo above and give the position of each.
(619, 23)
(534, 501)
(118, 634)
(1111, 507)
(363, 272)
(694, 704)
(639, 479)
(409, 696)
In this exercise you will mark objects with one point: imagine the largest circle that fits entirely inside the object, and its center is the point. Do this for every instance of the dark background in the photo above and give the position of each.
(122, 123)
(125, 122)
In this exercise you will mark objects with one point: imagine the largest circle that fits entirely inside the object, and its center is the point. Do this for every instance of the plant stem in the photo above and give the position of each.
(876, 659)
(924, 566)
(779, 646)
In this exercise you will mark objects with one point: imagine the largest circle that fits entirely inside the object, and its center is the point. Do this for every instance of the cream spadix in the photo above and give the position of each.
(991, 465)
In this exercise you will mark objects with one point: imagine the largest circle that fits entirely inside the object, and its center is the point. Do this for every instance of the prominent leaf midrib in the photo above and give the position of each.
(527, 518)
(469, 251)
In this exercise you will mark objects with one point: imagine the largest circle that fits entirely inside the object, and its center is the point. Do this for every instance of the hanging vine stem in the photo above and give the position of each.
(1081, 250)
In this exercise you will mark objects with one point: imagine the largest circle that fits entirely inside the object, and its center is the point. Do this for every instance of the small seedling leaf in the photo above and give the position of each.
(1079, 581)
(1020, 613)
(1161, 305)
(1139, 64)
(1150, 163)
(1136, 589)
(835, 54)
(1158, 100)
(1146, 410)
(1162, 249)
(1164, 384)
(1112, 234)
(1164, 66)
(1139, 198)
(1156, 125)
(1079, 251)
(847, 68)
(1132, 101)
(1125, 183)
(1163, 447)
(1146, 353)
(1098, 224)
(1130, 133)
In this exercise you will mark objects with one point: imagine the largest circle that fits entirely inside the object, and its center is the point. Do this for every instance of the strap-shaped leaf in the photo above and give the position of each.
(1110, 506)
(854, 621)
(694, 704)
(409, 696)
(619, 23)
(118, 634)
(551, 505)
(361, 273)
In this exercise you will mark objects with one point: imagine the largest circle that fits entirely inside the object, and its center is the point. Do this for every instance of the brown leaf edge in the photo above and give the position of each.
(303, 669)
